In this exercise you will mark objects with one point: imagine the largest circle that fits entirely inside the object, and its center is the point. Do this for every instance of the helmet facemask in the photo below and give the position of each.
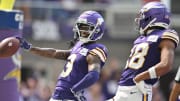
(86, 31)
(143, 19)
(89, 27)
(137, 20)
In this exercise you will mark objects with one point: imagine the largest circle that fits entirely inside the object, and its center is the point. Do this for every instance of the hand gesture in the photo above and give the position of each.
(24, 44)
(79, 95)
(141, 86)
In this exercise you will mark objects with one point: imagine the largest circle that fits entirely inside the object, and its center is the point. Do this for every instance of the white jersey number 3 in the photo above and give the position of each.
(69, 65)
(137, 56)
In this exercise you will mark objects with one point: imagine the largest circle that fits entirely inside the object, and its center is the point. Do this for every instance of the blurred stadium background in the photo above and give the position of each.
(48, 23)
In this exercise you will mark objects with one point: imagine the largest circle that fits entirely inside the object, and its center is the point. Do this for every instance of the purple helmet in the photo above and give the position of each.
(153, 14)
(90, 22)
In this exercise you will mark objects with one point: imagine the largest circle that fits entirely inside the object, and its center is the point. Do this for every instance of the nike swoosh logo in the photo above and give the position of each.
(132, 92)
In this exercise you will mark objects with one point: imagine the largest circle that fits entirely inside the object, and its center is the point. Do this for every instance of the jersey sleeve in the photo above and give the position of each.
(177, 78)
(101, 52)
(172, 35)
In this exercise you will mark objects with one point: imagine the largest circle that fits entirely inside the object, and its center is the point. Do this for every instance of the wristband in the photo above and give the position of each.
(152, 72)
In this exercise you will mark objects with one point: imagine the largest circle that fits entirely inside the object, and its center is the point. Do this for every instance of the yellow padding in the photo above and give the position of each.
(6, 4)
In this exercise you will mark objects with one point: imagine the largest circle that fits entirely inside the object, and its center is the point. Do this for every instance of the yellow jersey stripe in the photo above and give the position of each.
(172, 38)
(99, 54)
(92, 53)
(145, 97)
(173, 35)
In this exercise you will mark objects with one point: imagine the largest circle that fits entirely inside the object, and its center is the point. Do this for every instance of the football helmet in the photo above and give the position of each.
(89, 27)
(153, 14)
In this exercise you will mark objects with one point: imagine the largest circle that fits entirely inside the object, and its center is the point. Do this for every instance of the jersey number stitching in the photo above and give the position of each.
(69, 65)
(137, 56)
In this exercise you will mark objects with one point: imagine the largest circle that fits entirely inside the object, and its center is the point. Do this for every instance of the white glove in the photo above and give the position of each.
(141, 86)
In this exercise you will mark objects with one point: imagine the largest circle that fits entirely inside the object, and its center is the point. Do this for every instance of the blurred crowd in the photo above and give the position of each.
(34, 90)
(56, 23)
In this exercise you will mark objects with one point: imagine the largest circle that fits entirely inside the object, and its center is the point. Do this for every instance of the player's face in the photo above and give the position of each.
(84, 30)
(84, 34)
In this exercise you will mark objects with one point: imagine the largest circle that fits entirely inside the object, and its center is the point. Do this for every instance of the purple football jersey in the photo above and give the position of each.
(76, 68)
(145, 54)
(10, 26)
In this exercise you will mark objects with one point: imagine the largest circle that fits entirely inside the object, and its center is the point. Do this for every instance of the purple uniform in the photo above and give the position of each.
(10, 26)
(153, 25)
(76, 68)
(145, 54)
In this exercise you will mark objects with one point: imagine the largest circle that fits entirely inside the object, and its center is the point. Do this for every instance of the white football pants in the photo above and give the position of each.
(131, 93)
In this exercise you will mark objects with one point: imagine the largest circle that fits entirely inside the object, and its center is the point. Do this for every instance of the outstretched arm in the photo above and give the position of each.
(46, 52)
(50, 52)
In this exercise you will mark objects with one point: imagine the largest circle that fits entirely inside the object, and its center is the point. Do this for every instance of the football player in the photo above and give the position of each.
(176, 88)
(11, 24)
(151, 56)
(83, 62)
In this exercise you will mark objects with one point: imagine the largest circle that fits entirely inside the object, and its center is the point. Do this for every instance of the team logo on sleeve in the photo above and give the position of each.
(83, 51)
(152, 38)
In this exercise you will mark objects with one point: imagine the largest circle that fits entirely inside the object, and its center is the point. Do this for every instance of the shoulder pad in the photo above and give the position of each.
(100, 51)
(172, 35)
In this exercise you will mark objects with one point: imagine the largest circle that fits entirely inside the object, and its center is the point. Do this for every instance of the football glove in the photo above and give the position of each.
(24, 44)
(141, 86)
(79, 95)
